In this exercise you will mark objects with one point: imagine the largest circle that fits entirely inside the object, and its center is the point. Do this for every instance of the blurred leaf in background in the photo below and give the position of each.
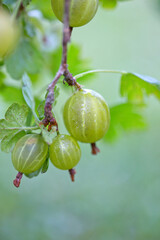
(109, 4)
(25, 58)
(125, 117)
(136, 86)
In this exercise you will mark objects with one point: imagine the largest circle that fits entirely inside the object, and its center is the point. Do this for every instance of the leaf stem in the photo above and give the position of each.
(22, 128)
(99, 71)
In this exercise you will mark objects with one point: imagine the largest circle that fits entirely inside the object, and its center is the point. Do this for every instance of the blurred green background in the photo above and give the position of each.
(116, 195)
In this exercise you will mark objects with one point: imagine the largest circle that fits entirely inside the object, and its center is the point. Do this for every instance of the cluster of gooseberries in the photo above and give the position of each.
(86, 117)
(86, 114)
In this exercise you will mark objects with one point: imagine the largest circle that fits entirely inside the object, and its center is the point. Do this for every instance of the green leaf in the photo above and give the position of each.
(11, 94)
(27, 91)
(48, 136)
(27, 94)
(75, 61)
(135, 87)
(16, 115)
(45, 166)
(29, 28)
(44, 7)
(29, 118)
(33, 174)
(2, 77)
(125, 117)
(11, 128)
(9, 1)
(40, 110)
(26, 58)
(26, 2)
(1, 62)
(9, 140)
(109, 3)
(55, 60)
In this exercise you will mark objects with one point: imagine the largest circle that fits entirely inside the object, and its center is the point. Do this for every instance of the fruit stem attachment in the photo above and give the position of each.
(95, 149)
(72, 173)
(63, 71)
(99, 71)
(17, 180)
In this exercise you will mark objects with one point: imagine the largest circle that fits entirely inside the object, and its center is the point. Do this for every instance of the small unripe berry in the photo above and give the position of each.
(81, 11)
(64, 152)
(29, 153)
(86, 116)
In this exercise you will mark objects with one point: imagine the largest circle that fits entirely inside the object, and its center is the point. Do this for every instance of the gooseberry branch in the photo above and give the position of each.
(63, 71)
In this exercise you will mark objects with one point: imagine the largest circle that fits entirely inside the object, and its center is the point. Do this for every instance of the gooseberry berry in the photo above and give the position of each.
(8, 33)
(86, 116)
(29, 153)
(81, 11)
(64, 152)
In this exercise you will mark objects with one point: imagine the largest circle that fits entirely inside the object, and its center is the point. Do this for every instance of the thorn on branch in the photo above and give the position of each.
(72, 173)
(95, 149)
(17, 180)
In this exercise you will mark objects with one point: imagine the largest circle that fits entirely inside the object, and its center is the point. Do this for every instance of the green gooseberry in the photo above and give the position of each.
(86, 116)
(64, 152)
(81, 11)
(29, 153)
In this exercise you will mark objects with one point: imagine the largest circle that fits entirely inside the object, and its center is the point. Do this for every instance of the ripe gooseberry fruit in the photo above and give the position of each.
(86, 116)
(8, 33)
(64, 152)
(29, 153)
(81, 11)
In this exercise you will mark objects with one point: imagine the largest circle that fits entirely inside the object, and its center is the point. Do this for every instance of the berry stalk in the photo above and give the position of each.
(17, 180)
